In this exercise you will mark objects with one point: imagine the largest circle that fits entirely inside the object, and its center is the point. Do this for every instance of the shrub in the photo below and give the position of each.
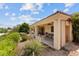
(3, 30)
(25, 37)
(14, 36)
(15, 29)
(7, 47)
(8, 44)
(75, 24)
(33, 47)
(24, 28)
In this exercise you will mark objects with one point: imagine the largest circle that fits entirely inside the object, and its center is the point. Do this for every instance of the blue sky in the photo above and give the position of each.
(12, 14)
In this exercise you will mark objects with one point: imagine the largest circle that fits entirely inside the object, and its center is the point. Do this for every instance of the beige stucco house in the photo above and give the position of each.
(59, 24)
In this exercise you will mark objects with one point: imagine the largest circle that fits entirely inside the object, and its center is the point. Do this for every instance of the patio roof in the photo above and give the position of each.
(44, 19)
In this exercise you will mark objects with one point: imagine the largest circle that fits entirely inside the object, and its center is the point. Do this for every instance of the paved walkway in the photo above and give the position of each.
(20, 48)
(50, 52)
(73, 49)
(2, 34)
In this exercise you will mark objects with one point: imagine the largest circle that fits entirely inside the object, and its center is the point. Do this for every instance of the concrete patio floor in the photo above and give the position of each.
(46, 41)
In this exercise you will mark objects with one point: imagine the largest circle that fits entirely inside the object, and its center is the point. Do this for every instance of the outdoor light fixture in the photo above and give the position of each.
(68, 21)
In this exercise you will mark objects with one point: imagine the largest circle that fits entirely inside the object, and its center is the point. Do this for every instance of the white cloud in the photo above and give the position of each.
(66, 10)
(6, 7)
(25, 17)
(13, 18)
(13, 14)
(22, 17)
(33, 7)
(69, 4)
(28, 18)
(39, 6)
(28, 6)
(2, 5)
(54, 10)
(6, 14)
(35, 12)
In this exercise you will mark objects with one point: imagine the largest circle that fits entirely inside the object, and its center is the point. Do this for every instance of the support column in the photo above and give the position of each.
(71, 38)
(57, 34)
(36, 31)
(63, 33)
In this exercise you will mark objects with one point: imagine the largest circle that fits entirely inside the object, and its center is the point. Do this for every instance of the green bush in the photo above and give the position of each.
(25, 37)
(33, 47)
(75, 24)
(24, 28)
(3, 30)
(8, 44)
(7, 47)
(15, 29)
(2, 37)
(14, 36)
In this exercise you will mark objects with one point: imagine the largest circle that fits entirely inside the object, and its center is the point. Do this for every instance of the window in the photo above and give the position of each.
(52, 29)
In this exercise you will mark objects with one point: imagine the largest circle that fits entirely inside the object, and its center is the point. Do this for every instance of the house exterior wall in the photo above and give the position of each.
(48, 28)
(59, 21)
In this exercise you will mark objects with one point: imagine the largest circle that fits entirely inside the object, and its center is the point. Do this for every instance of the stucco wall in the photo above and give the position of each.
(48, 28)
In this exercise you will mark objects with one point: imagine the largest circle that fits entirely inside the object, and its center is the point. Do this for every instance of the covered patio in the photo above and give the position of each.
(46, 40)
(54, 30)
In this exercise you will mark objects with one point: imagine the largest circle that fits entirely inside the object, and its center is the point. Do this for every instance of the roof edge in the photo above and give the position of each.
(51, 15)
